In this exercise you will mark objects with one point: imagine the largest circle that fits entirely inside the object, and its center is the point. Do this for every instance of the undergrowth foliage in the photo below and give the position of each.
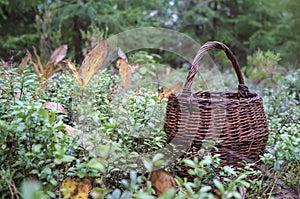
(114, 128)
(34, 143)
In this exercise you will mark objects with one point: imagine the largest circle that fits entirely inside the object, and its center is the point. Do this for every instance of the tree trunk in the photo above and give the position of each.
(77, 40)
(214, 21)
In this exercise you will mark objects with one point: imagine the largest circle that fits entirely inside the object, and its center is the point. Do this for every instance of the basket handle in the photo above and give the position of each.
(243, 90)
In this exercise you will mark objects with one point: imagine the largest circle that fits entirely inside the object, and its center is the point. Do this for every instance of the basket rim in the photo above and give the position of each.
(215, 95)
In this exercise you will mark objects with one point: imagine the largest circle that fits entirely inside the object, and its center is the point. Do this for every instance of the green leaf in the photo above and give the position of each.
(241, 177)
(207, 160)
(159, 162)
(237, 195)
(21, 127)
(47, 171)
(205, 189)
(34, 171)
(37, 148)
(116, 194)
(53, 181)
(51, 194)
(169, 194)
(132, 165)
(157, 157)
(147, 163)
(229, 170)
(67, 158)
(219, 185)
(44, 113)
(96, 164)
(190, 163)
(126, 195)
(32, 190)
(52, 117)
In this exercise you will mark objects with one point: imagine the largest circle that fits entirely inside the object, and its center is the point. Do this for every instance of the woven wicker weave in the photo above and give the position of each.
(234, 121)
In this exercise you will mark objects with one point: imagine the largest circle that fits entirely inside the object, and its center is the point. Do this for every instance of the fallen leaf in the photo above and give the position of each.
(161, 181)
(126, 70)
(93, 62)
(53, 105)
(75, 73)
(122, 55)
(55, 58)
(125, 73)
(166, 92)
(76, 189)
(24, 61)
(55, 75)
(71, 130)
(59, 54)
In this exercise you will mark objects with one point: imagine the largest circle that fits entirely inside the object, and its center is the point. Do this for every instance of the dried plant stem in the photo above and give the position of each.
(12, 188)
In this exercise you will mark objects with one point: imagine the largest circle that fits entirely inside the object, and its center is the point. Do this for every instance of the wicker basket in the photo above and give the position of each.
(234, 122)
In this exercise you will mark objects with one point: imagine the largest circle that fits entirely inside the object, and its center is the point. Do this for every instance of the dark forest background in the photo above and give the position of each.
(245, 25)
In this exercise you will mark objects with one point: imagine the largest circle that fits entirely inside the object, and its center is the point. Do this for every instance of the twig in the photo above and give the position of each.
(13, 192)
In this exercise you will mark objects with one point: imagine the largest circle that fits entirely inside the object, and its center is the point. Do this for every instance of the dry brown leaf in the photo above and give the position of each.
(76, 189)
(55, 58)
(53, 105)
(59, 54)
(9, 63)
(72, 131)
(24, 61)
(69, 129)
(125, 69)
(75, 73)
(161, 181)
(122, 55)
(125, 73)
(166, 92)
(54, 75)
(38, 59)
(93, 62)
(35, 67)
(4, 63)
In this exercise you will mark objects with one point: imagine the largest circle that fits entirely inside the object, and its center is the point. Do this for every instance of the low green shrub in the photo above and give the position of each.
(263, 68)
(282, 151)
(115, 128)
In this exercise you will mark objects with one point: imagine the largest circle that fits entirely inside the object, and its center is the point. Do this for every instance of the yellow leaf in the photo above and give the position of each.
(166, 92)
(93, 62)
(75, 73)
(76, 189)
